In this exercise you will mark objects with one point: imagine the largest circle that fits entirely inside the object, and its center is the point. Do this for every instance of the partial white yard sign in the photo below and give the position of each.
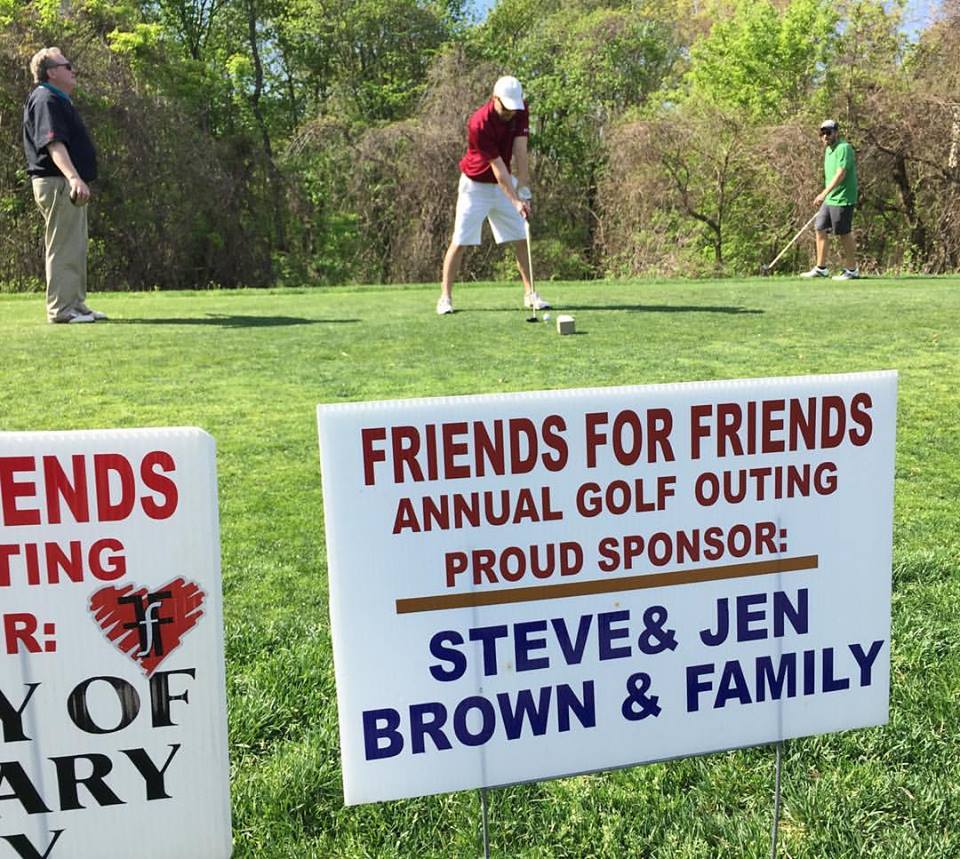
(112, 689)
(542, 584)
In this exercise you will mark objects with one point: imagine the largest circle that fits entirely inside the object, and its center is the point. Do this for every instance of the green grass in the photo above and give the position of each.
(250, 367)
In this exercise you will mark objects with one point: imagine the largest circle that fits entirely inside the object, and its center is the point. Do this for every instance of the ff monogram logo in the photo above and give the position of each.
(148, 625)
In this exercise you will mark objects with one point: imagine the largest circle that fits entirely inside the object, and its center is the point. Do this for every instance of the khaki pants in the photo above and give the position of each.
(66, 244)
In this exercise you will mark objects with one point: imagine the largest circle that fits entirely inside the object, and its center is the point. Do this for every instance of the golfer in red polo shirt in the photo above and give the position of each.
(496, 138)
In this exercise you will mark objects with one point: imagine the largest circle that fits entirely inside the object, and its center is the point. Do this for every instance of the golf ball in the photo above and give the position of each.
(546, 317)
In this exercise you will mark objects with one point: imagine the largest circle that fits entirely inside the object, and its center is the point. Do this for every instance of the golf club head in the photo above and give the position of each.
(764, 270)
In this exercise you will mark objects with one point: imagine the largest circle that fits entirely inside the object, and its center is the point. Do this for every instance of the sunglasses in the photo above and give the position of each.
(826, 132)
(67, 66)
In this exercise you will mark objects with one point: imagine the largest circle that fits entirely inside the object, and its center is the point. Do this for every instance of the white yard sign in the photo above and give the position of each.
(543, 584)
(112, 693)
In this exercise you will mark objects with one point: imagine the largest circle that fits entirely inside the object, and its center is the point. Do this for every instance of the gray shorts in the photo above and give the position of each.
(835, 219)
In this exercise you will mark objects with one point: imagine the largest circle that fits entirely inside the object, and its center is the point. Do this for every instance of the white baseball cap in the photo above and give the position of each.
(509, 91)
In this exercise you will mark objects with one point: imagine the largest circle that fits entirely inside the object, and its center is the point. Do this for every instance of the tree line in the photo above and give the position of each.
(263, 142)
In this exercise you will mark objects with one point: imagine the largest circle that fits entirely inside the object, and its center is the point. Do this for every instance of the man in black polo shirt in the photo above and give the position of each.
(62, 161)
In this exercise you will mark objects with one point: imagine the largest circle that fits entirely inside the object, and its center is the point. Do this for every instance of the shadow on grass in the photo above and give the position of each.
(224, 320)
(663, 308)
(631, 308)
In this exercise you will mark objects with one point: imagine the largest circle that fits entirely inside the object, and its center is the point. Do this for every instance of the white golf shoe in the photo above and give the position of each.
(848, 274)
(73, 316)
(533, 301)
(444, 306)
(816, 271)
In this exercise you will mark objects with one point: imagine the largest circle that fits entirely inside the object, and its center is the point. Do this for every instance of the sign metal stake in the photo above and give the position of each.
(484, 827)
(776, 802)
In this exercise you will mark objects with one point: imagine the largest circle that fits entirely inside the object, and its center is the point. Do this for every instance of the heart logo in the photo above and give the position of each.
(148, 625)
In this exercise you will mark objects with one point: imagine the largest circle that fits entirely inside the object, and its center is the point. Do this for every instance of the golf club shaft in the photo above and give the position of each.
(526, 226)
(789, 244)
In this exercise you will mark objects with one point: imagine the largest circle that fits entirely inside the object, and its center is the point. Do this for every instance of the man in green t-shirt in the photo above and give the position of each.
(836, 202)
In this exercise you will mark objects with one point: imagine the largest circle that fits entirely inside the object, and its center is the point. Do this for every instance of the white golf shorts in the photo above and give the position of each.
(479, 201)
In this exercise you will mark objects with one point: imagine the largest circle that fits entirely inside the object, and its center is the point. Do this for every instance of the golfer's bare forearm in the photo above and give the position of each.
(837, 179)
(60, 156)
(521, 161)
(503, 179)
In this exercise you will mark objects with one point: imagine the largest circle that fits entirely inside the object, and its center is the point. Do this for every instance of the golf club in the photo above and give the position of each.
(766, 269)
(533, 317)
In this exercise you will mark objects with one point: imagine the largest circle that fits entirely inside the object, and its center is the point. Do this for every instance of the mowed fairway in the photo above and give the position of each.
(249, 367)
